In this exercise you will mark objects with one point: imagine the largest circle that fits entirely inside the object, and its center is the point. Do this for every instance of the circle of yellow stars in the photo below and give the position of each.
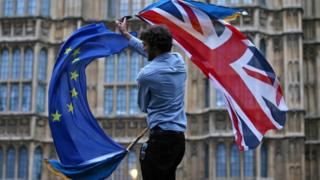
(56, 117)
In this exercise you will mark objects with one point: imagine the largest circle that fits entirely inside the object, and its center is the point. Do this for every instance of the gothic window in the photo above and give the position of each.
(219, 99)
(8, 8)
(26, 98)
(23, 163)
(136, 6)
(108, 100)
(134, 69)
(221, 165)
(207, 93)
(121, 100)
(263, 2)
(264, 161)
(122, 67)
(41, 98)
(14, 97)
(109, 69)
(234, 1)
(206, 160)
(1, 162)
(247, 1)
(235, 161)
(249, 163)
(148, 2)
(37, 164)
(11, 159)
(263, 48)
(16, 63)
(132, 165)
(4, 64)
(28, 63)
(3, 98)
(32, 7)
(111, 10)
(133, 100)
(20, 7)
(221, 2)
(45, 8)
(124, 4)
(42, 66)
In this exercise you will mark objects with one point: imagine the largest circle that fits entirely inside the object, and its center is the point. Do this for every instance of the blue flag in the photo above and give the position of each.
(84, 150)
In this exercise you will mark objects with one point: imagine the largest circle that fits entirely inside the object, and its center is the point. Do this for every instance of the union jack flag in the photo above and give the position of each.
(252, 92)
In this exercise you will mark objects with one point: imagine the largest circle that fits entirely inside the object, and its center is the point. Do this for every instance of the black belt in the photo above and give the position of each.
(158, 130)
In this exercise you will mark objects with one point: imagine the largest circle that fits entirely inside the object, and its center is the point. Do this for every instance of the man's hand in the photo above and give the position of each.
(123, 28)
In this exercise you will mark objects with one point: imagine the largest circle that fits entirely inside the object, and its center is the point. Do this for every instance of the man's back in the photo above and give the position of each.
(163, 84)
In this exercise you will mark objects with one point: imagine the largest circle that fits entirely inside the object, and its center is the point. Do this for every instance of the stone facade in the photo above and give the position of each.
(286, 31)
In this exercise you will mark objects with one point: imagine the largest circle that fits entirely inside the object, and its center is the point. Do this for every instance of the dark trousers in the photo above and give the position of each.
(161, 154)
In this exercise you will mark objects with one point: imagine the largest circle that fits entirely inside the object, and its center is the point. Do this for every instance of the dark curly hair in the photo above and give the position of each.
(158, 37)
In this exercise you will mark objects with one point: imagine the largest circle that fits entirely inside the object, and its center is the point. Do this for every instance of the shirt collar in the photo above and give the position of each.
(162, 56)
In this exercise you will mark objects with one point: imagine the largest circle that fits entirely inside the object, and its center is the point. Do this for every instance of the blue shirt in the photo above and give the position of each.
(161, 89)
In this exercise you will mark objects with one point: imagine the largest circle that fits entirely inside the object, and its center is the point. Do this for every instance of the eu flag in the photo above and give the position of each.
(84, 150)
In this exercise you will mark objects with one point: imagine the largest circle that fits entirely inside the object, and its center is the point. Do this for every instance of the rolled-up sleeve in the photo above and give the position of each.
(143, 93)
(136, 44)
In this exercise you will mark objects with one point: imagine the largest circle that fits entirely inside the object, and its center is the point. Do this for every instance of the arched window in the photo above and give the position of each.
(14, 97)
(8, 8)
(109, 69)
(247, 1)
(23, 163)
(26, 97)
(1, 162)
(20, 7)
(248, 163)
(133, 100)
(16, 64)
(264, 161)
(206, 93)
(108, 100)
(3, 97)
(11, 159)
(132, 165)
(206, 160)
(134, 66)
(136, 6)
(41, 98)
(45, 8)
(221, 165)
(28, 63)
(37, 164)
(122, 67)
(121, 100)
(4, 64)
(219, 99)
(235, 161)
(42, 66)
(32, 7)
(124, 7)
(263, 48)
(234, 1)
(263, 2)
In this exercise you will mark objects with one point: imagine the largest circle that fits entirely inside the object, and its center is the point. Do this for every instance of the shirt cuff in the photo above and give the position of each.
(133, 41)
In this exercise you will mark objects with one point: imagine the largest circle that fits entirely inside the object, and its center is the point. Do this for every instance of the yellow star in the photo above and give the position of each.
(76, 52)
(56, 116)
(67, 50)
(74, 93)
(74, 75)
(75, 60)
(70, 107)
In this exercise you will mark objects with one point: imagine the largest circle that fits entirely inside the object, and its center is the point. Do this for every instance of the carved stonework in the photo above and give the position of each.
(6, 28)
(18, 28)
(248, 19)
(263, 17)
(45, 28)
(30, 27)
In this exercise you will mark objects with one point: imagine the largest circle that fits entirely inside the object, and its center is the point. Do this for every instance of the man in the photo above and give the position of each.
(161, 89)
